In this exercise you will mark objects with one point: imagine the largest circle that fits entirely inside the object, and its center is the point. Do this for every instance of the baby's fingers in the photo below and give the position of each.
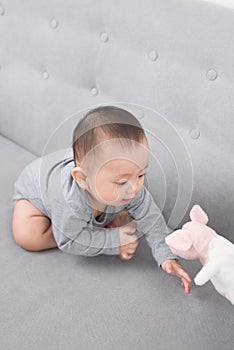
(185, 280)
(182, 274)
(127, 251)
(186, 285)
(130, 229)
(130, 240)
(126, 256)
(174, 268)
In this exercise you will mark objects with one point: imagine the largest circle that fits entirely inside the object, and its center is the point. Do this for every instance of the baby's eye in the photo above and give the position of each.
(121, 183)
(141, 175)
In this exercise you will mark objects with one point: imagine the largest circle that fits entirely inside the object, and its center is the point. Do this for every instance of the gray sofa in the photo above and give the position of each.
(171, 63)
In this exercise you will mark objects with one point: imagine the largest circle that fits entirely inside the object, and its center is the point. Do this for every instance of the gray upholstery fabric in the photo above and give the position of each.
(171, 63)
(172, 57)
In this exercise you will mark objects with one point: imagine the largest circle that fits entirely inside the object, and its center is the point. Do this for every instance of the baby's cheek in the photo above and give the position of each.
(112, 195)
(108, 193)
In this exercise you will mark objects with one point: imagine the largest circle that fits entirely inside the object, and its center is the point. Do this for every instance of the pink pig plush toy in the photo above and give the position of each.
(216, 253)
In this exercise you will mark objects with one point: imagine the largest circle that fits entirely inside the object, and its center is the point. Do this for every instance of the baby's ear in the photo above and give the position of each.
(80, 177)
(179, 240)
(198, 214)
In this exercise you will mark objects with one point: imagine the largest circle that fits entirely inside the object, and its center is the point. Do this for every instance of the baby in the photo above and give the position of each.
(91, 199)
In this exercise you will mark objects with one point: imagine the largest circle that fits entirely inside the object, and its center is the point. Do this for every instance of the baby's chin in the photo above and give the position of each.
(116, 202)
(119, 202)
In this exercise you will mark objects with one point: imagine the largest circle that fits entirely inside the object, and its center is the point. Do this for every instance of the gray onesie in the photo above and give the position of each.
(47, 183)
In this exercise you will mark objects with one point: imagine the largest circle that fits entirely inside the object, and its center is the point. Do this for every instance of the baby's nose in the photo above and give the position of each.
(132, 188)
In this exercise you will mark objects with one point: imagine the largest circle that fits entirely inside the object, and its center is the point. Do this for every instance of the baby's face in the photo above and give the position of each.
(119, 174)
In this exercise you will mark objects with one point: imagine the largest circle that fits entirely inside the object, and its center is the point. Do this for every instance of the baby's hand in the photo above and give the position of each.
(121, 218)
(173, 267)
(128, 241)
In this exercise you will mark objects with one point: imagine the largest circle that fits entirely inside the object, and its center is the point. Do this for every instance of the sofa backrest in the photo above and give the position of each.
(168, 61)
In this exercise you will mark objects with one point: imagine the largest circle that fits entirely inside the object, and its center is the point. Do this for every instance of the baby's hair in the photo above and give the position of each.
(105, 123)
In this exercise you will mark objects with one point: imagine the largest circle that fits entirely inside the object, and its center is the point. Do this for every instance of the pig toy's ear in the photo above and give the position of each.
(179, 240)
(198, 214)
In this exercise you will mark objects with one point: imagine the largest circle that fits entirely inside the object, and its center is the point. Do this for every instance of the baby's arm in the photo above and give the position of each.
(92, 242)
(74, 234)
(87, 240)
(150, 222)
(206, 273)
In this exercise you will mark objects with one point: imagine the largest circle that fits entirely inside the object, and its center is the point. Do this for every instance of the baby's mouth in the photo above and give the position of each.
(127, 201)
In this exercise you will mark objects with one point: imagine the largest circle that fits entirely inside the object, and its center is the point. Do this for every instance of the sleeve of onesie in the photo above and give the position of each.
(151, 223)
(74, 235)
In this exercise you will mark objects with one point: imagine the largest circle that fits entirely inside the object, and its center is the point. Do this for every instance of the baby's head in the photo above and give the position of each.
(111, 153)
